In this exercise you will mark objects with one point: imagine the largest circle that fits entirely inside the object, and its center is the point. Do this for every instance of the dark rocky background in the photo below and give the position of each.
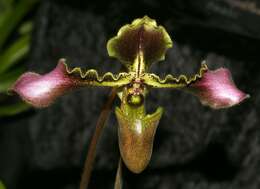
(195, 147)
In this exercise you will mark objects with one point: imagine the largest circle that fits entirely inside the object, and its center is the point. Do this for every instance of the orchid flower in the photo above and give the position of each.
(137, 46)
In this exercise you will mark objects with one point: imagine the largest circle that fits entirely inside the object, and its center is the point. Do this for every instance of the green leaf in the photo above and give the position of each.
(14, 53)
(2, 186)
(12, 19)
(4, 15)
(26, 27)
(7, 79)
(7, 2)
(13, 109)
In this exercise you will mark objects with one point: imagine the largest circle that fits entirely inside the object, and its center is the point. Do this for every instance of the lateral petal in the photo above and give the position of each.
(41, 90)
(217, 89)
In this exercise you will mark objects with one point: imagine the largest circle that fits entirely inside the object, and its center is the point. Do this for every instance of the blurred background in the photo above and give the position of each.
(195, 147)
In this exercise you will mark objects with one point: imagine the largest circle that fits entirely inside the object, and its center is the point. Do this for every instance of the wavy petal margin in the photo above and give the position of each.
(41, 90)
(91, 77)
(217, 89)
(171, 81)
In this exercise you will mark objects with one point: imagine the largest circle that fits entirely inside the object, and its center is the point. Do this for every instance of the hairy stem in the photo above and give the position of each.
(85, 178)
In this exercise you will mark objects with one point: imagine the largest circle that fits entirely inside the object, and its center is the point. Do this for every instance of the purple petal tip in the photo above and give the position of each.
(217, 89)
(41, 90)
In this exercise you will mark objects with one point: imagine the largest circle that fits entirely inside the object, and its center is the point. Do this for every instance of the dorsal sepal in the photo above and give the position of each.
(142, 36)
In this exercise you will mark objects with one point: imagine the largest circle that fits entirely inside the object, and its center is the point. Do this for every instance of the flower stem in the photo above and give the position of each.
(85, 178)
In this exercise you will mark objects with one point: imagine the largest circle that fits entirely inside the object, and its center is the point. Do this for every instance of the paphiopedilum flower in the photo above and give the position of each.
(137, 46)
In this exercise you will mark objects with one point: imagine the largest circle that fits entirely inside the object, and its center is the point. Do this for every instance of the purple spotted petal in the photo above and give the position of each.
(41, 90)
(217, 89)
